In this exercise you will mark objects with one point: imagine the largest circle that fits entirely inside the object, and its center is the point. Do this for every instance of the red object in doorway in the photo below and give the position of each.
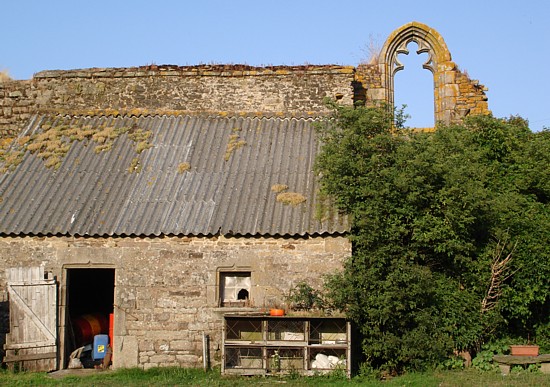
(87, 326)
(111, 330)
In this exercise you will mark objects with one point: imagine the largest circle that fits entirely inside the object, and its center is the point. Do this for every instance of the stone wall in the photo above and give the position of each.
(220, 90)
(16, 107)
(281, 90)
(166, 290)
(470, 96)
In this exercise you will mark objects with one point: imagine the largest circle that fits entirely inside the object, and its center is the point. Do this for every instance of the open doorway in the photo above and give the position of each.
(89, 306)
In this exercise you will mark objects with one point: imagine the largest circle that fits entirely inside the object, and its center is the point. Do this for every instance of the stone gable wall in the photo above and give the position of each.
(166, 288)
(234, 89)
(281, 91)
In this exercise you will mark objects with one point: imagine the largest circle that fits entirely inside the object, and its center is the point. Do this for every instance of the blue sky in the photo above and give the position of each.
(502, 43)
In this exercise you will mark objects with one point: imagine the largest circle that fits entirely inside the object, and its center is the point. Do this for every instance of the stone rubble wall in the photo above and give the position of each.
(470, 98)
(231, 89)
(166, 290)
(370, 78)
(16, 107)
(278, 90)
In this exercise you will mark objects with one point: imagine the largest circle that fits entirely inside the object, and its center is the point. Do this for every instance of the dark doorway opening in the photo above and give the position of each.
(89, 304)
(90, 291)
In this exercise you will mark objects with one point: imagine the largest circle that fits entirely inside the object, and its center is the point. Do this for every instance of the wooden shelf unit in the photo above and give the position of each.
(254, 345)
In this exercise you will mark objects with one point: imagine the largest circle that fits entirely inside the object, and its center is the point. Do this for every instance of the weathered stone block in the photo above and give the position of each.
(15, 94)
(146, 345)
(125, 351)
(180, 345)
(162, 358)
(193, 360)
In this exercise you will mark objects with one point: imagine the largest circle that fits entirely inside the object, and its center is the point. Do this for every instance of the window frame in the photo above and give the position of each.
(225, 302)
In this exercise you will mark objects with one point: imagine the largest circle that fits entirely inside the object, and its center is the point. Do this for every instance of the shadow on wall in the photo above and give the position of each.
(4, 327)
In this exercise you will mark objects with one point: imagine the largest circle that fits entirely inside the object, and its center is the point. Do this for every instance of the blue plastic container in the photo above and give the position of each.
(100, 346)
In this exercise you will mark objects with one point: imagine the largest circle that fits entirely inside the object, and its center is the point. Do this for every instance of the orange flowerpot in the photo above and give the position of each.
(276, 312)
(524, 350)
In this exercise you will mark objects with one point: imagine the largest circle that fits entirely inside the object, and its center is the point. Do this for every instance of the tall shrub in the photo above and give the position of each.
(429, 212)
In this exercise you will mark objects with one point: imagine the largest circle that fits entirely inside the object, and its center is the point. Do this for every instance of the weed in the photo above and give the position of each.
(291, 198)
(304, 297)
(142, 145)
(453, 363)
(277, 188)
(235, 142)
(53, 162)
(23, 140)
(103, 147)
(184, 167)
(141, 138)
(371, 50)
(484, 358)
(135, 166)
(4, 76)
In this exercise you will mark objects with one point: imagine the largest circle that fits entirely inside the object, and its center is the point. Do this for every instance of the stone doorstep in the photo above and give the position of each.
(75, 372)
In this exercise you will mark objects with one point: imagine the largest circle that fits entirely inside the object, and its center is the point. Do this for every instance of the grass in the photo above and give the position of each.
(196, 377)
(4, 76)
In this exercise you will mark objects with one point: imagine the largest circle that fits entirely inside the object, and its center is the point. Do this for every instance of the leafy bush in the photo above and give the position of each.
(304, 297)
(430, 212)
(484, 358)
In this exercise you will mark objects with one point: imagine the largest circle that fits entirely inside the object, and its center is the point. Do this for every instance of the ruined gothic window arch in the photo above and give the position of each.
(438, 63)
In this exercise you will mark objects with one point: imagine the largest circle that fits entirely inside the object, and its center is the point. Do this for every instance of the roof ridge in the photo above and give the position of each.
(178, 113)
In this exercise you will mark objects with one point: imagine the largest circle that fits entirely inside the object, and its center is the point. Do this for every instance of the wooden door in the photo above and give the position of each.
(31, 343)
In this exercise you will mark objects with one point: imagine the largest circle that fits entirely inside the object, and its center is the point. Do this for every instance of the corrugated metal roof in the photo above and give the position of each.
(94, 194)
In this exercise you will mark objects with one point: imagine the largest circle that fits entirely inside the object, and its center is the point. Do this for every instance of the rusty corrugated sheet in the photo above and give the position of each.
(229, 193)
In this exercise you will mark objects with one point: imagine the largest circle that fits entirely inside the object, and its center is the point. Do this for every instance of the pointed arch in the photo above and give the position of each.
(439, 62)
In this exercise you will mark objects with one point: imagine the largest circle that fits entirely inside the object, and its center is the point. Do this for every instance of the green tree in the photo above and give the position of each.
(429, 211)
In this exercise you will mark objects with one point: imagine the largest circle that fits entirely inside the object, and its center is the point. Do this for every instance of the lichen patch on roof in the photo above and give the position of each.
(53, 138)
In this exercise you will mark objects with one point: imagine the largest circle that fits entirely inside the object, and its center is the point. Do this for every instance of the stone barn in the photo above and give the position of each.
(167, 198)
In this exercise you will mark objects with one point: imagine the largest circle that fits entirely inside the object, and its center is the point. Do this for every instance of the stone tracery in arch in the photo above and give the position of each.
(422, 48)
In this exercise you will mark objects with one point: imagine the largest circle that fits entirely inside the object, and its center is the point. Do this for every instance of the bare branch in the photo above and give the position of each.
(500, 273)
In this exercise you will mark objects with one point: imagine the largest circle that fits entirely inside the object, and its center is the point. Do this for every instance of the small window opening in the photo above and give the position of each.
(242, 295)
(235, 289)
(414, 87)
